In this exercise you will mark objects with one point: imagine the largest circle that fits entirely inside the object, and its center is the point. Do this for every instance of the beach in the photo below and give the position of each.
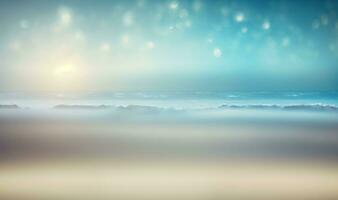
(168, 100)
(139, 152)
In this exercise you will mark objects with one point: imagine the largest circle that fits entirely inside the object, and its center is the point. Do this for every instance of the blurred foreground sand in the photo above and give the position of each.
(168, 180)
(80, 159)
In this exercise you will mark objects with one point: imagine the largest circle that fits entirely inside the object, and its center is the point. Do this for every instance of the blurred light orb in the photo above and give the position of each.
(244, 30)
(315, 24)
(79, 36)
(285, 42)
(105, 47)
(197, 6)
(266, 25)
(141, 3)
(65, 15)
(125, 40)
(24, 24)
(217, 52)
(239, 17)
(332, 47)
(225, 11)
(128, 19)
(65, 70)
(187, 23)
(173, 5)
(183, 13)
(150, 45)
(324, 19)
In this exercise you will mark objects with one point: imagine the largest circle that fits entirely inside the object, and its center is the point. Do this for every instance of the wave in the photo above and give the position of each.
(139, 108)
(155, 109)
(9, 106)
(81, 107)
(295, 107)
(127, 108)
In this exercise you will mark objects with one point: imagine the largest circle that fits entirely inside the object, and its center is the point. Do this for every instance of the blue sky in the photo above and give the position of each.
(168, 45)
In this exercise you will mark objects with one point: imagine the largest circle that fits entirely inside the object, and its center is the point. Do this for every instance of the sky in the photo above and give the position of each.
(106, 45)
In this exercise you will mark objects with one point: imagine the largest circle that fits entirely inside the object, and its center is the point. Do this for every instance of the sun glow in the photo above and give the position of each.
(64, 71)
(67, 77)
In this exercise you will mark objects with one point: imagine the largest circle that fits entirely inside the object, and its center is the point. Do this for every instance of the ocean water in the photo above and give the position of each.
(286, 120)
(184, 106)
(178, 100)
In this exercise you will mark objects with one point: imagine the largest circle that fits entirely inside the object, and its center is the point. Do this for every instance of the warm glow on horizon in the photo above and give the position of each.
(67, 76)
(65, 71)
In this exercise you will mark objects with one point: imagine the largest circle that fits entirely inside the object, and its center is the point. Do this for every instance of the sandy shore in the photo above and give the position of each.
(103, 158)
(168, 180)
